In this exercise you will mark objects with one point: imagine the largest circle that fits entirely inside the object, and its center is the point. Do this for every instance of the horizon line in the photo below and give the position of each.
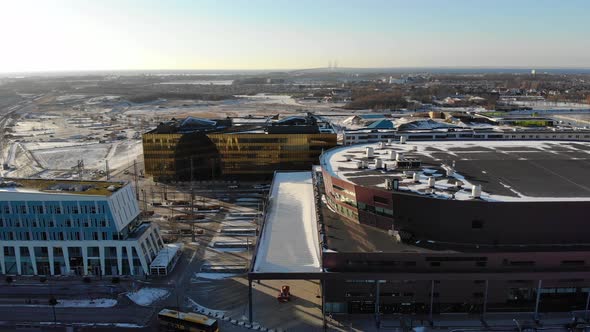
(511, 67)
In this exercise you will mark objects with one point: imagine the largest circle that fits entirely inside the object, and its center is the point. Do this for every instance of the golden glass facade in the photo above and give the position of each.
(167, 156)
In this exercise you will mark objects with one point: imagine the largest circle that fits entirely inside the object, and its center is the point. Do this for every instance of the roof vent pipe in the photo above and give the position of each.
(476, 191)
(403, 139)
(416, 177)
(431, 181)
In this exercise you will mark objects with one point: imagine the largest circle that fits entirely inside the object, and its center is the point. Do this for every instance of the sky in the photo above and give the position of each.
(64, 35)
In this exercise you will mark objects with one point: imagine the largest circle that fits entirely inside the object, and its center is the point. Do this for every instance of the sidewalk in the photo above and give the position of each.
(464, 322)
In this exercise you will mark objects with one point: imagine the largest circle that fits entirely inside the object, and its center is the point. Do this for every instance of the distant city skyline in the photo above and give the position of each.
(84, 35)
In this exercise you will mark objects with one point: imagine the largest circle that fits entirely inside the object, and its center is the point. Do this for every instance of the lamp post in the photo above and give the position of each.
(517, 324)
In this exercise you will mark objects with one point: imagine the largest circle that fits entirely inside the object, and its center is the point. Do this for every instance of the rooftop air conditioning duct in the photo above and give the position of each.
(476, 191)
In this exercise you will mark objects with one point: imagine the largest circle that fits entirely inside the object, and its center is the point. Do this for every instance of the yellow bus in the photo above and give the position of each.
(172, 320)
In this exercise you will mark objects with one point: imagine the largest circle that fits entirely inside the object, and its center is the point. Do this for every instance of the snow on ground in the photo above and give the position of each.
(146, 296)
(101, 99)
(214, 276)
(58, 155)
(199, 308)
(70, 97)
(289, 242)
(263, 98)
(124, 154)
(96, 303)
(67, 157)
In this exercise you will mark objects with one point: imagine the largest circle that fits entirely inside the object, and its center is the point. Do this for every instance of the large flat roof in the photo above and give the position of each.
(289, 240)
(506, 170)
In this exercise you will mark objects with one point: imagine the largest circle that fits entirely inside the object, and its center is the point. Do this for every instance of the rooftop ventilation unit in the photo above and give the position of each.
(399, 156)
(431, 181)
(381, 145)
(378, 163)
(449, 170)
(395, 235)
(359, 164)
(369, 152)
(392, 154)
(403, 139)
(416, 177)
(391, 184)
(476, 191)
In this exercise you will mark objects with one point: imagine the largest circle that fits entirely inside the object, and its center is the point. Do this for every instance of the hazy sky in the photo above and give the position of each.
(251, 34)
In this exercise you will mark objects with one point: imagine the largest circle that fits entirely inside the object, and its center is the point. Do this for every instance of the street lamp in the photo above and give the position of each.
(517, 324)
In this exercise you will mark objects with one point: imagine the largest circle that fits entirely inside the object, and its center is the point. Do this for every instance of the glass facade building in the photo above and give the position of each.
(222, 152)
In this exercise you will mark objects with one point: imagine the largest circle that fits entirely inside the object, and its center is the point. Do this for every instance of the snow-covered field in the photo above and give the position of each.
(146, 296)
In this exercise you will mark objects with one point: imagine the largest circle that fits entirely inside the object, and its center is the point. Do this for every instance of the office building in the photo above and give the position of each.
(64, 227)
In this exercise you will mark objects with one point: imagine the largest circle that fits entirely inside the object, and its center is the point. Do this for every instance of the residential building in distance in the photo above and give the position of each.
(65, 227)
(216, 149)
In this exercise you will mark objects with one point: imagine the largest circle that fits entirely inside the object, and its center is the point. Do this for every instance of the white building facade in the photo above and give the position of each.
(73, 228)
